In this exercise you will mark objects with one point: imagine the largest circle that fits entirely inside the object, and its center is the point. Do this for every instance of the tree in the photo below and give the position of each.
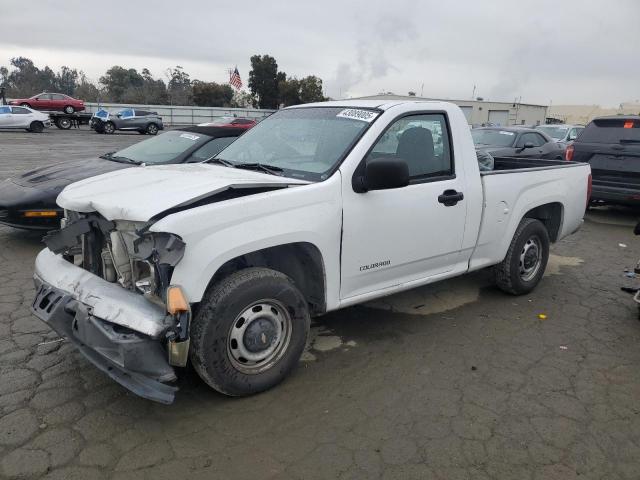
(66, 80)
(211, 94)
(86, 90)
(179, 86)
(311, 90)
(292, 91)
(154, 91)
(122, 85)
(263, 80)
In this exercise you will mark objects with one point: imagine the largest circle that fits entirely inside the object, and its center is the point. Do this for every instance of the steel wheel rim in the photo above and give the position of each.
(68, 110)
(64, 122)
(259, 336)
(530, 258)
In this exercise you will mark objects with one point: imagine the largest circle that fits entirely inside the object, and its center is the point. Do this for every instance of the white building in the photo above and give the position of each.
(479, 112)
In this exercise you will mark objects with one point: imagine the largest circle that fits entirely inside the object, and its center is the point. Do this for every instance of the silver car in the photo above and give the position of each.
(562, 133)
(141, 121)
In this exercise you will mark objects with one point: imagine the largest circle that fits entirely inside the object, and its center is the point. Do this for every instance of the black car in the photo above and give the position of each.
(29, 200)
(612, 146)
(517, 142)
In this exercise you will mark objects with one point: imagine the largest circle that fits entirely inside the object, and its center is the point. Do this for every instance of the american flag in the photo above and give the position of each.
(234, 80)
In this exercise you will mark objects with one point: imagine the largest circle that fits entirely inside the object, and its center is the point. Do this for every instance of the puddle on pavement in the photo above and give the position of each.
(556, 262)
(435, 298)
(427, 300)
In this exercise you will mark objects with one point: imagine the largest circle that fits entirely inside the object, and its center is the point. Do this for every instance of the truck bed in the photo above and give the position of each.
(509, 164)
(514, 187)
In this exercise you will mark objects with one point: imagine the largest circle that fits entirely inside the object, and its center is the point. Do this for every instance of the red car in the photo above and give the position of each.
(235, 122)
(51, 101)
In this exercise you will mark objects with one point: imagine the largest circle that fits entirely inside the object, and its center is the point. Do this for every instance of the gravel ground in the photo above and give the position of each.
(451, 381)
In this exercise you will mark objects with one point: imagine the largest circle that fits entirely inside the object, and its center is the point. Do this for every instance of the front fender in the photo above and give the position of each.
(219, 232)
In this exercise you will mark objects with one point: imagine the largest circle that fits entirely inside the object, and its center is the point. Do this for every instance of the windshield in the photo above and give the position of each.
(499, 138)
(557, 133)
(163, 148)
(304, 142)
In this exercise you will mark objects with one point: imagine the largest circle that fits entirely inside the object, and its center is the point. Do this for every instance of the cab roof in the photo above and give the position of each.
(378, 104)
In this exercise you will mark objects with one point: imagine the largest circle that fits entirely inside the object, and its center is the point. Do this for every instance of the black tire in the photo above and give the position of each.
(25, 104)
(152, 129)
(63, 123)
(518, 274)
(68, 109)
(222, 312)
(109, 128)
(36, 127)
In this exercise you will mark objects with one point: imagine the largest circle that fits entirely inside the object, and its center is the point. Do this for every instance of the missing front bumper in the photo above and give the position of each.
(134, 360)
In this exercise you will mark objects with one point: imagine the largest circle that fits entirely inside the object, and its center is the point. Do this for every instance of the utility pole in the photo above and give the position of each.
(473, 94)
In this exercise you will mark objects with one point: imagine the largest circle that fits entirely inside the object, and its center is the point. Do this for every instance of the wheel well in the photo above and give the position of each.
(550, 214)
(302, 262)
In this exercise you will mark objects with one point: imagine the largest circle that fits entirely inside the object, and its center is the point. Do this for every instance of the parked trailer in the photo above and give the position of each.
(65, 121)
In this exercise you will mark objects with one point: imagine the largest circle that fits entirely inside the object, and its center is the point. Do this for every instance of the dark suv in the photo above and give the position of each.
(612, 146)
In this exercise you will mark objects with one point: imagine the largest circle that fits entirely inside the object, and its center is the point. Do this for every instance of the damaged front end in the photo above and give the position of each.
(105, 285)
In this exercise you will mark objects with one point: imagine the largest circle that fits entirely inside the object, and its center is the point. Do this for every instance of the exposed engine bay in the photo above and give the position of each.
(119, 252)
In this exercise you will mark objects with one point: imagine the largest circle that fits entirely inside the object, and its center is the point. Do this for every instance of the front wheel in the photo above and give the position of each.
(109, 128)
(249, 332)
(69, 109)
(36, 127)
(526, 259)
(25, 105)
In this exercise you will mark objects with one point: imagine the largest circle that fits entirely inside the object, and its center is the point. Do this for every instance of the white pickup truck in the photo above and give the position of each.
(318, 207)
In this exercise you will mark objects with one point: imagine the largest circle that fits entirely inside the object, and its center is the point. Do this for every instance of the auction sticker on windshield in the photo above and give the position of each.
(502, 132)
(189, 136)
(356, 114)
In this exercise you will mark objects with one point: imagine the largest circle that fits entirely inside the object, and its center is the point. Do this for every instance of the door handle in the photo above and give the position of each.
(449, 198)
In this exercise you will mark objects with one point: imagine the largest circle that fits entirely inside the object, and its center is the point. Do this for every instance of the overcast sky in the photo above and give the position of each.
(559, 51)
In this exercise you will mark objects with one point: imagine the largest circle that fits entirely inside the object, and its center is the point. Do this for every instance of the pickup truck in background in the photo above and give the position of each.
(611, 145)
(317, 208)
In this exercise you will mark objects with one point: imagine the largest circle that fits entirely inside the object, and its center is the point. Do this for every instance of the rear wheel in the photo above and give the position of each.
(526, 259)
(63, 123)
(249, 332)
(152, 129)
(109, 128)
(25, 105)
(36, 127)
(69, 109)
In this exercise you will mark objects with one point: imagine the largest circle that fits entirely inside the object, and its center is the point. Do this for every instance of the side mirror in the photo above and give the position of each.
(529, 145)
(383, 174)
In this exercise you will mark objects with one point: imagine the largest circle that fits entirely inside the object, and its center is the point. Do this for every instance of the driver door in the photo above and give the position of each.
(396, 236)
(5, 116)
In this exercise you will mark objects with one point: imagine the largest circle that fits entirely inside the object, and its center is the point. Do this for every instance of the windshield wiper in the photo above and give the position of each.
(119, 158)
(270, 169)
(220, 161)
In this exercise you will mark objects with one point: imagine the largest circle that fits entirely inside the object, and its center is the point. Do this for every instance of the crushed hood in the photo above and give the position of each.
(139, 194)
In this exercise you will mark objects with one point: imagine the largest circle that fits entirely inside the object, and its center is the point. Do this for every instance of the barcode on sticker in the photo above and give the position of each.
(356, 114)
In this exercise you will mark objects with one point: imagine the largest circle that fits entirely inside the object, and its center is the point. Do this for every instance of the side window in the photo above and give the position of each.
(210, 149)
(128, 113)
(538, 140)
(5, 110)
(20, 110)
(44, 96)
(526, 138)
(57, 96)
(422, 141)
(141, 113)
